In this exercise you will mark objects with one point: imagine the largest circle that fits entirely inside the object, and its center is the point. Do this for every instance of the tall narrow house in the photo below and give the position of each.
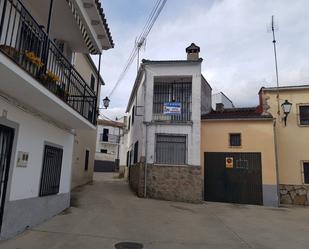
(46, 100)
(164, 123)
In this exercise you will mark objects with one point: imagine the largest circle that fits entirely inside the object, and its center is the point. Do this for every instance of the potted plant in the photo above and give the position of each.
(49, 80)
(32, 63)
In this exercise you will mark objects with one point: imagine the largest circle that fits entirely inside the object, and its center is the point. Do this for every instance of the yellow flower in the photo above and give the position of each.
(52, 76)
(34, 59)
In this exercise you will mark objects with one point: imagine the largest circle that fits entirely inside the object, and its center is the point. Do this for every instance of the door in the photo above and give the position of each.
(6, 143)
(233, 177)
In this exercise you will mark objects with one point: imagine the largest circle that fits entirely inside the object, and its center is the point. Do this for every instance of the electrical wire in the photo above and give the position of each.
(157, 9)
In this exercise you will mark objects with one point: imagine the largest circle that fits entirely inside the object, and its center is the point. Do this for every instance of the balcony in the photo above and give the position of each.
(109, 138)
(27, 45)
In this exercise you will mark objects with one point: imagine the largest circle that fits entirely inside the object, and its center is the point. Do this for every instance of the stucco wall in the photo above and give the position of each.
(32, 134)
(256, 136)
(292, 140)
(84, 140)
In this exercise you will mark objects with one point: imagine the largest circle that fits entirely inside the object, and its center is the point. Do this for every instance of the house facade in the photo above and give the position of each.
(163, 140)
(292, 140)
(44, 102)
(238, 157)
(85, 140)
(107, 155)
(221, 98)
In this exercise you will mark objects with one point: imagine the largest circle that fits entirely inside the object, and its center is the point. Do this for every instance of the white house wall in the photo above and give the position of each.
(192, 129)
(23, 207)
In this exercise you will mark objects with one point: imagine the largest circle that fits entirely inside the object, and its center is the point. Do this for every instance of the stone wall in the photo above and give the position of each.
(173, 183)
(294, 194)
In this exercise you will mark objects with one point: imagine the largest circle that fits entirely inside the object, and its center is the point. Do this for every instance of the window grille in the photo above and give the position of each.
(304, 115)
(171, 149)
(51, 170)
(235, 139)
(172, 92)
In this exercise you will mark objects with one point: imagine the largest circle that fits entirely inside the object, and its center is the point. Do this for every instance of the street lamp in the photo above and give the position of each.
(286, 107)
(106, 102)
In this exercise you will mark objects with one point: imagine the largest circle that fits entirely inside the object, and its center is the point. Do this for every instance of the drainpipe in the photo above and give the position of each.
(98, 87)
(146, 143)
(277, 163)
(51, 4)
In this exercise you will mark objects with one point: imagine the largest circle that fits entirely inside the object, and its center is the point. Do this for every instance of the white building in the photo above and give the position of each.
(107, 150)
(44, 103)
(164, 125)
(221, 98)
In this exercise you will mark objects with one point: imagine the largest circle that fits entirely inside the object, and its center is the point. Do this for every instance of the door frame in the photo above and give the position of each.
(15, 126)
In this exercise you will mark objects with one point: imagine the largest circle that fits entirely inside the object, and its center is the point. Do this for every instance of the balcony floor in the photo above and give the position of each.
(19, 85)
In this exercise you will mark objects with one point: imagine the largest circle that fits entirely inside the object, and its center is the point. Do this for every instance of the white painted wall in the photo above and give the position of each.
(138, 131)
(221, 98)
(33, 132)
(111, 146)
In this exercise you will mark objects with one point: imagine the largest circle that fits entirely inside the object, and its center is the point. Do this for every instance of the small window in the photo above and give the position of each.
(87, 160)
(92, 82)
(235, 139)
(304, 114)
(133, 114)
(105, 135)
(135, 159)
(104, 151)
(129, 123)
(51, 171)
(128, 158)
(306, 172)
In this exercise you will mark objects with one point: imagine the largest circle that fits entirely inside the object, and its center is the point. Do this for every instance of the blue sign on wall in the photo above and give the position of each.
(172, 108)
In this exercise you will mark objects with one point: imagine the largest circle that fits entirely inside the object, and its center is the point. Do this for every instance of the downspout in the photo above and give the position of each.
(98, 87)
(51, 4)
(146, 144)
(277, 163)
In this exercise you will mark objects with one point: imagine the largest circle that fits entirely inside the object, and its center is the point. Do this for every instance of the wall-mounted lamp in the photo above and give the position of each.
(106, 102)
(286, 107)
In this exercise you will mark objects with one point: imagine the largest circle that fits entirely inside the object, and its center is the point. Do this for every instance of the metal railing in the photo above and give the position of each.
(169, 92)
(111, 138)
(25, 42)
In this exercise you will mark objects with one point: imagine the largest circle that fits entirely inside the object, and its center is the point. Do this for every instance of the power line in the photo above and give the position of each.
(157, 9)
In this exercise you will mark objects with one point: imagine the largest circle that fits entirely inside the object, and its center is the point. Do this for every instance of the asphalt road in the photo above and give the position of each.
(107, 212)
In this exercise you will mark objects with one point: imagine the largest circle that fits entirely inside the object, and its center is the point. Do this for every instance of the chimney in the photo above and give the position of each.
(219, 107)
(193, 52)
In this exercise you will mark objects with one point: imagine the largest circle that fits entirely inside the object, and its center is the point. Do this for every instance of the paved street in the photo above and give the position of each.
(106, 213)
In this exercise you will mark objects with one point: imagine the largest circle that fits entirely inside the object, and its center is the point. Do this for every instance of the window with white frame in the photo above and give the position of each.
(171, 149)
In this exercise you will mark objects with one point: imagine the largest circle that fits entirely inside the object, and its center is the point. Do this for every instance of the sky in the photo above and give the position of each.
(233, 35)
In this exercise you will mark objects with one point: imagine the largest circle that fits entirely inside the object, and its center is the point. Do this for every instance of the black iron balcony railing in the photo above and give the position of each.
(110, 138)
(25, 42)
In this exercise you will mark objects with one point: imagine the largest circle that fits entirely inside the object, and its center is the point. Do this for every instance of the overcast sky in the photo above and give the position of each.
(235, 45)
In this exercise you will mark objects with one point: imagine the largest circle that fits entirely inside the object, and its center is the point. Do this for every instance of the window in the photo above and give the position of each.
(306, 172)
(133, 114)
(304, 114)
(105, 135)
(235, 139)
(135, 159)
(92, 82)
(129, 123)
(87, 160)
(171, 149)
(128, 158)
(51, 171)
(104, 151)
(165, 92)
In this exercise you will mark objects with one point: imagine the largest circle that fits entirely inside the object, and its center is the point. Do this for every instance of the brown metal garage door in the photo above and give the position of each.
(233, 177)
